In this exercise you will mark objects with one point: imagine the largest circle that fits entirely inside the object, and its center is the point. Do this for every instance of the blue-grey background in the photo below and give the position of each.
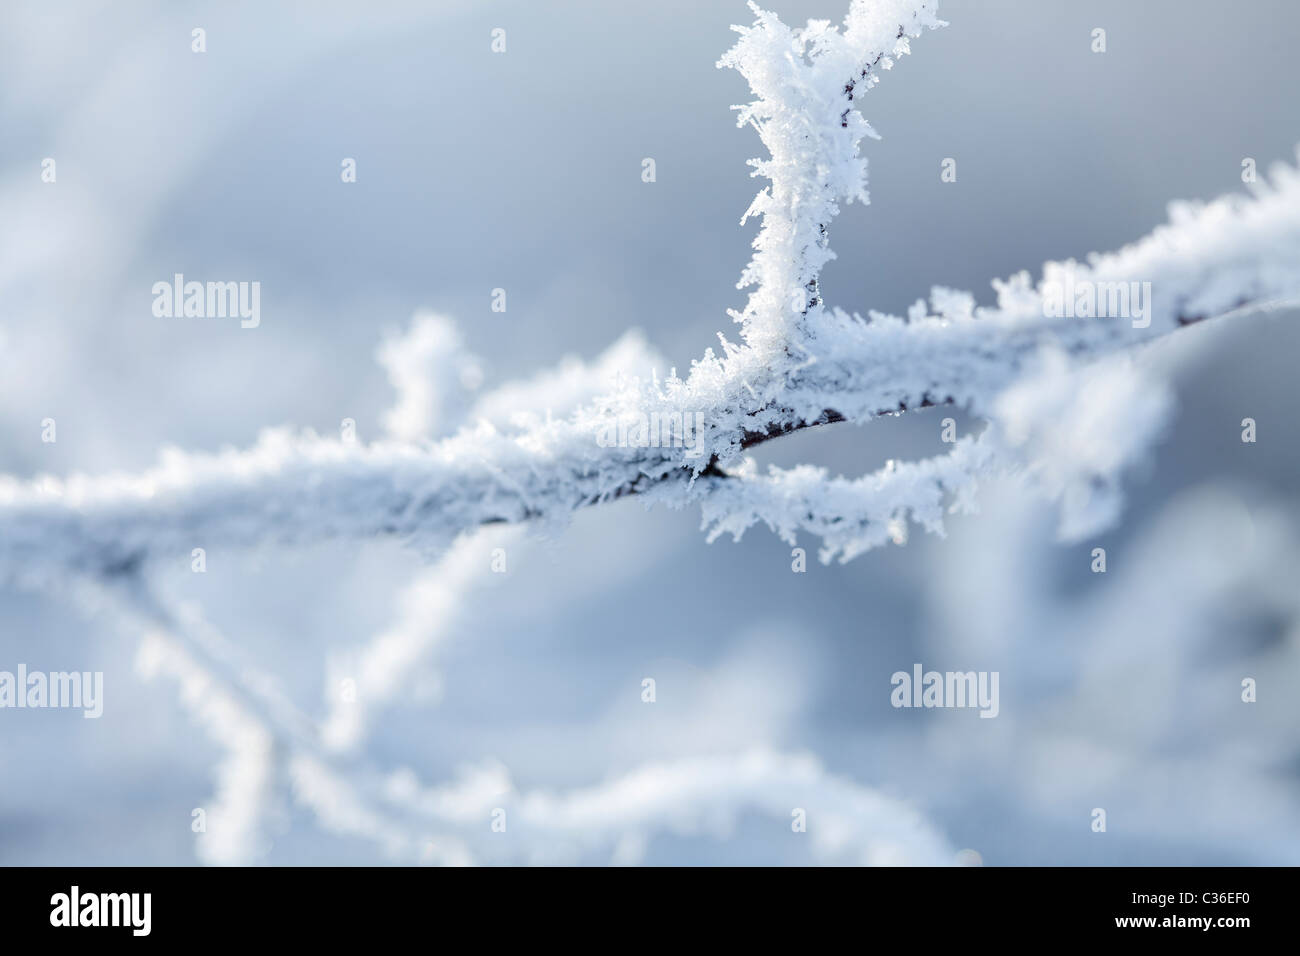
(522, 171)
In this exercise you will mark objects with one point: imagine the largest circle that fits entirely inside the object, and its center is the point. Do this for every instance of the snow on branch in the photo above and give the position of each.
(1047, 369)
(274, 754)
(850, 517)
(538, 451)
(806, 82)
(1209, 260)
(429, 609)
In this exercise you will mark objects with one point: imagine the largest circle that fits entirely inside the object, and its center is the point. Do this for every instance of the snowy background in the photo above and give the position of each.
(523, 171)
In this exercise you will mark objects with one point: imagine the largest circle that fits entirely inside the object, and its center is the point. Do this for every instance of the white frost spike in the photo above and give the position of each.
(562, 390)
(806, 82)
(433, 376)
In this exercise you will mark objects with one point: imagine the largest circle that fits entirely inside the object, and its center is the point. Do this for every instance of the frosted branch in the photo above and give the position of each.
(537, 451)
(275, 754)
